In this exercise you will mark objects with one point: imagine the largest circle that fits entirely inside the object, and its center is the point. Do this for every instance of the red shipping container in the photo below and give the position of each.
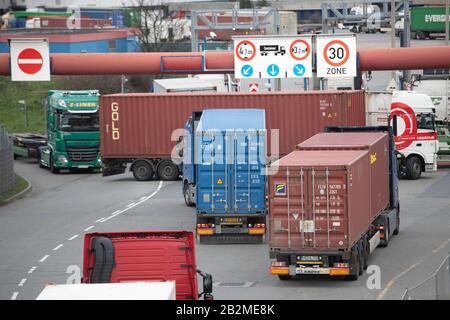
(377, 143)
(318, 200)
(143, 125)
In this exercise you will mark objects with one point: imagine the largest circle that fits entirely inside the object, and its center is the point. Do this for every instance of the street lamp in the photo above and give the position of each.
(24, 108)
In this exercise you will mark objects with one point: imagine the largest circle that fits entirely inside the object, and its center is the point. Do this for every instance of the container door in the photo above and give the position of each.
(247, 183)
(212, 186)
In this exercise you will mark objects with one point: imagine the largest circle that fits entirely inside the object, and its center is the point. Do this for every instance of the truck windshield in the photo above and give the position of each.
(425, 121)
(78, 122)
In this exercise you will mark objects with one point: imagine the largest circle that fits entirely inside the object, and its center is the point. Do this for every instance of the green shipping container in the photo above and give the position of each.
(428, 19)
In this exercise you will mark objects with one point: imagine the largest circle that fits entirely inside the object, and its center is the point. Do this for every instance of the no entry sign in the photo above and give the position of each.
(336, 56)
(30, 60)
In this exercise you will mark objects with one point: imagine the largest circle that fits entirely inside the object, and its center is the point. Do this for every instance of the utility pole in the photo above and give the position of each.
(393, 30)
(446, 22)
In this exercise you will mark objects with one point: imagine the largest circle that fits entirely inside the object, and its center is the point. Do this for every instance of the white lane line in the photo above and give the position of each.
(57, 247)
(32, 270)
(22, 282)
(44, 258)
(73, 237)
(88, 228)
(143, 198)
(131, 204)
(100, 220)
(14, 296)
(136, 204)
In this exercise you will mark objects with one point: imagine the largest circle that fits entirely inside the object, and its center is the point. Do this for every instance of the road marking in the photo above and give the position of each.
(99, 220)
(57, 247)
(143, 198)
(14, 296)
(44, 258)
(135, 204)
(88, 228)
(73, 237)
(32, 270)
(393, 280)
(22, 282)
(131, 204)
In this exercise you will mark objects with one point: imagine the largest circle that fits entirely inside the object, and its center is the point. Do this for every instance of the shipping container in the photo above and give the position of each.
(142, 126)
(332, 202)
(377, 144)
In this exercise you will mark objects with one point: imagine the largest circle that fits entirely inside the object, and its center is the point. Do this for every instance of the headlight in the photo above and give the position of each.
(62, 158)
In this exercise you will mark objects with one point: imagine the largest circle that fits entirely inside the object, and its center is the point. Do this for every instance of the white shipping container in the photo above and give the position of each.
(110, 291)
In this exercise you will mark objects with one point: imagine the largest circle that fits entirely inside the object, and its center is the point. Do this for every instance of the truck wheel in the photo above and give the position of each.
(187, 195)
(421, 35)
(361, 255)
(52, 165)
(354, 265)
(168, 171)
(413, 168)
(142, 170)
(284, 277)
(397, 228)
(366, 253)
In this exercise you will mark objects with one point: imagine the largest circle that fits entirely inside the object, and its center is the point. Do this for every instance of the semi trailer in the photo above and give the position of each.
(142, 130)
(72, 130)
(224, 158)
(427, 22)
(26, 145)
(332, 202)
(145, 256)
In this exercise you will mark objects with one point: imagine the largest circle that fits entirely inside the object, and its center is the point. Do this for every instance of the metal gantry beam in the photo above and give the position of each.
(211, 21)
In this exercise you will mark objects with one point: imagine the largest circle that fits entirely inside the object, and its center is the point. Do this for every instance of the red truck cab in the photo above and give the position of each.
(145, 256)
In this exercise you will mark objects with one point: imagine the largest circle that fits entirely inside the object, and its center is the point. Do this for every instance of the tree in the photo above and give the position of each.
(245, 4)
(262, 4)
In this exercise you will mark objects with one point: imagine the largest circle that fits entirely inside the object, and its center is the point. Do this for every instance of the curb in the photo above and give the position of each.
(21, 193)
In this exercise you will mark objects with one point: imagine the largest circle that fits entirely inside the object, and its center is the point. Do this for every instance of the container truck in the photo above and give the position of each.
(413, 120)
(224, 156)
(332, 202)
(73, 131)
(426, 22)
(145, 256)
(143, 129)
(26, 145)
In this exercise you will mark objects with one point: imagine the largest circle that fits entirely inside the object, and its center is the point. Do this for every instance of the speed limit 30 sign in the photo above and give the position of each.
(336, 56)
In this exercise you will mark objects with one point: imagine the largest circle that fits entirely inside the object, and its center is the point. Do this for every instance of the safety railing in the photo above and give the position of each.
(7, 176)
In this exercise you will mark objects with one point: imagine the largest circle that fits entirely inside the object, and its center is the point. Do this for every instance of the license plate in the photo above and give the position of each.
(312, 271)
(83, 167)
(233, 220)
(308, 258)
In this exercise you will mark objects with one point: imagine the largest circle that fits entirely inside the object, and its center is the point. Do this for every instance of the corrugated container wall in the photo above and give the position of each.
(377, 143)
(142, 125)
(318, 200)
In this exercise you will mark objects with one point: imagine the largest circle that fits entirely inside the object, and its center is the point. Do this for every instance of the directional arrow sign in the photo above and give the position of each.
(299, 70)
(247, 70)
(273, 70)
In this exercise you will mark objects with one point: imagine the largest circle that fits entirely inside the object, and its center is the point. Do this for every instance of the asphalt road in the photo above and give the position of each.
(41, 236)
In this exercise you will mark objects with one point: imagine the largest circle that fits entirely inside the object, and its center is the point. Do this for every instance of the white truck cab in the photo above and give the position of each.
(412, 117)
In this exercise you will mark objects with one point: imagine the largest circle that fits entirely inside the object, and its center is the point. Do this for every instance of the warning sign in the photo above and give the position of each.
(219, 181)
(30, 60)
(336, 56)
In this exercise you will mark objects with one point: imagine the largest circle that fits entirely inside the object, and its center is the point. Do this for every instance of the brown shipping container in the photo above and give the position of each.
(141, 125)
(377, 143)
(310, 210)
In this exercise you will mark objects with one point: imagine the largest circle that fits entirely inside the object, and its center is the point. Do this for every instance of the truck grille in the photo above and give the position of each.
(82, 155)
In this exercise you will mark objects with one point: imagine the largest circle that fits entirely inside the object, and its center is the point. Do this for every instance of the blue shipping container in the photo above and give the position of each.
(230, 155)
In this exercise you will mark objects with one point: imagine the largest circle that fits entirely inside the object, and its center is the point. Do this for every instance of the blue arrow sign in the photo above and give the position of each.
(299, 70)
(273, 70)
(247, 70)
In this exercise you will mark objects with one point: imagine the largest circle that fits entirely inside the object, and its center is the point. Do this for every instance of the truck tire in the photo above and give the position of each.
(413, 168)
(397, 228)
(421, 35)
(366, 253)
(187, 195)
(104, 261)
(284, 277)
(143, 170)
(52, 165)
(354, 264)
(168, 171)
(361, 254)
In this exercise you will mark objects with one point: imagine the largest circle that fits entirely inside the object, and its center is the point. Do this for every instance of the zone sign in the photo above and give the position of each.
(336, 56)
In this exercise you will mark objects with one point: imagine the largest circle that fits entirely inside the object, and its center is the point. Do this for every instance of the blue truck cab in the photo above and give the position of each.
(224, 174)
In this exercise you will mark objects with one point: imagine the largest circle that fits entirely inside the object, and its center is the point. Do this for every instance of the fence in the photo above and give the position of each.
(436, 287)
(7, 176)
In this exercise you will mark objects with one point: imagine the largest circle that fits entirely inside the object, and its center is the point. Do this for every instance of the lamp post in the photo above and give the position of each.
(24, 108)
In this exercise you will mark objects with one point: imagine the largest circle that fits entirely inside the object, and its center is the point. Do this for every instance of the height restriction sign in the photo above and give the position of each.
(336, 56)
(272, 57)
(30, 60)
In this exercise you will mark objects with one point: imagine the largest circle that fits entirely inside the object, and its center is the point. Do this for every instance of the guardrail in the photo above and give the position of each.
(436, 287)
(7, 176)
